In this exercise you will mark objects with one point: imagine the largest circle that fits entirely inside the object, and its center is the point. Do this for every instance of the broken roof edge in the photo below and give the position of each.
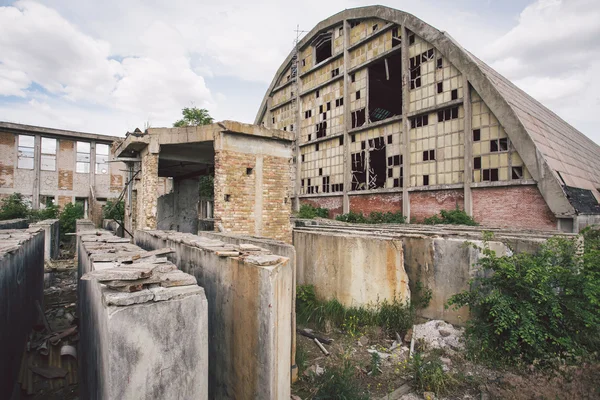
(200, 133)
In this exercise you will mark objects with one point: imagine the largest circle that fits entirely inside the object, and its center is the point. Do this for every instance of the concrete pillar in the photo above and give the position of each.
(148, 191)
(37, 166)
(347, 121)
(468, 174)
(405, 126)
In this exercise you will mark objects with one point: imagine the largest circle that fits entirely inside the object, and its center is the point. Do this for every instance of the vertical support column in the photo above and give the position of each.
(468, 174)
(405, 125)
(93, 165)
(297, 186)
(37, 166)
(268, 113)
(258, 195)
(148, 190)
(347, 120)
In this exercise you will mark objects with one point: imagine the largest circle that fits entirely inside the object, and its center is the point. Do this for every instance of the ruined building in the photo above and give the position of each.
(55, 166)
(392, 114)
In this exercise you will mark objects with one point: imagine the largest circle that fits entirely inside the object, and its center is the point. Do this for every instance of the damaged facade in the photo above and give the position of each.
(251, 169)
(54, 166)
(392, 114)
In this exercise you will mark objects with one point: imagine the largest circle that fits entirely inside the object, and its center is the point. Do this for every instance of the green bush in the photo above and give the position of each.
(428, 374)
(453, 217)
(339, 383)
(14, 206)
(309, 212)
(68, 217)
(393, 316)
(536, 307)
(50, 212)
(375, 217)
(207, 187)
(114, 209)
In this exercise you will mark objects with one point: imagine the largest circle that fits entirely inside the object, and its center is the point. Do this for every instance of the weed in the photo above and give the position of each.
(374, 217)
(453, 217)
(301, 358)
(309, 212)
(339, 383)
(14, 206)
(375, 361)
(428, 374)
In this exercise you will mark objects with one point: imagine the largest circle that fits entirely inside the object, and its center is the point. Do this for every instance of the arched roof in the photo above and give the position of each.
(556, 154)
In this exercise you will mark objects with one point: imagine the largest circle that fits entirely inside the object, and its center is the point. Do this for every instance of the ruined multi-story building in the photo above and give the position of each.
(392, 114)
(55, 166)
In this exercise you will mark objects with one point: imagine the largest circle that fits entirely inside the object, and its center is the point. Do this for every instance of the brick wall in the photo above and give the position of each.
(427, 203)
(7, 159)
(277, 205)
(334, 204)
(514, 206)
(383, 202)
(63, 201)
(148, 191)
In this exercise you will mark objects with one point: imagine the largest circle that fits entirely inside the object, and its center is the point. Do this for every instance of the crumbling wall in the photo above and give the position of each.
(147, 191)
(21, 286)
(51, 230)
(178, 210)
(149, 343)
(249, 295)
(19, 223)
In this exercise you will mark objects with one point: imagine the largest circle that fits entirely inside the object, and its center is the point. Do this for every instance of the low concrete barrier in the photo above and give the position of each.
(112, 226)
(21, 286)
(249, 295)
(20, 223)
(148, 344)
(51, 229)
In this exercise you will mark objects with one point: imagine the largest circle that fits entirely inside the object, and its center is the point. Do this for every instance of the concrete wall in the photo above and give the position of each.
(21, 285)
(178, 210)
(51, 229)
(249, 298)
(150, 344)
(20, 223)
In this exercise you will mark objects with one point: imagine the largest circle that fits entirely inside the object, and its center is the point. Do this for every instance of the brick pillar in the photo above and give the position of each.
(148, 191)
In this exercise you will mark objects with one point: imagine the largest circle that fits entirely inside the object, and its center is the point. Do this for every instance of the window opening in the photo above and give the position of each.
(102, 158)
(323, 47)
(358, 118)
(83, 158)
(48, 157)
(25, 152)
(385, 88)
(517, 172)
(476, 135)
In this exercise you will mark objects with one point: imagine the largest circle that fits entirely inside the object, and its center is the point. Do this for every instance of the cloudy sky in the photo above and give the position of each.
(110, 66)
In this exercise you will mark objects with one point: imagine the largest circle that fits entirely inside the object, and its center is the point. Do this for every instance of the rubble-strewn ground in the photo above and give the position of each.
(43, 357)
(441, 340)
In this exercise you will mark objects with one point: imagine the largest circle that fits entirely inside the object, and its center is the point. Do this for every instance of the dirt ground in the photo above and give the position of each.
(469, 381)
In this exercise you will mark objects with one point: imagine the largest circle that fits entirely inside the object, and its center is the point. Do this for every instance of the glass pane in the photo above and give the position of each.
(48, 162)
(26, 141)
(101, 168)
(83, 157)
(102, 149)
(48, 146)
(82, 167)
(25, 163)
(83, 147)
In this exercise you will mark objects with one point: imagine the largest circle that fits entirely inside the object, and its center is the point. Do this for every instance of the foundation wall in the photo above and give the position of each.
(384, 202)
(356, 270)
(150, 344)
(428, 203)
(334, 204)
(21, 286)
(51, 229)
(20, 223)
(249, 314)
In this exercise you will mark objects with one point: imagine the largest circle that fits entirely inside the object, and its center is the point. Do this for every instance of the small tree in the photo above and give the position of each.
(114, 209)
(14, 206)
(68, 217)
(193, 117)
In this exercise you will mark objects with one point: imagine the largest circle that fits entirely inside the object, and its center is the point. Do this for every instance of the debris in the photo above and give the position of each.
(308, 333)
(408, 336)
(68, 350)
(323, 349)
(429, 396)
(60, 335)
(438, 334)
(398, 393)
(383, 356)
(444, 333)
(49, 372)
(43, 315)
(363, 341)
(315, 369)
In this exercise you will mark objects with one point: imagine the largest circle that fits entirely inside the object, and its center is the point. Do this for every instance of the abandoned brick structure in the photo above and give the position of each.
(392, 114)
(55, 166)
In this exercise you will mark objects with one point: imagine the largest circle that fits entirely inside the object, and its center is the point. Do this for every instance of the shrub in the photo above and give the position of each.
(207, 186)
(309, 212)
(453, 217)
(114, 209)
(14, 206)
(50, 212)
(429, 375)
(536, 307)
(375, 217)
(339, 382)
(68, 217)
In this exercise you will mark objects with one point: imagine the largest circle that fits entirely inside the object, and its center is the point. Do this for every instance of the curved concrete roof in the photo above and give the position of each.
(555, 153)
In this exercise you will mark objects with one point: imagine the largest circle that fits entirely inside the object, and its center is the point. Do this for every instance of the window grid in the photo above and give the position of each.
(334, 115)
(322, 170)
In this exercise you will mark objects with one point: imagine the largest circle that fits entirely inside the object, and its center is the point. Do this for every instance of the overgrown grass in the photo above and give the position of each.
(339, 383)
(301, 358)
(429, 375)
(536, 308)
(452, 217)
(375, 217)
(393, 316)
(309, 212)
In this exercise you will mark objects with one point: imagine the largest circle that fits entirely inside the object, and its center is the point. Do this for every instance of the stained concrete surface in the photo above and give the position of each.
(20, 223)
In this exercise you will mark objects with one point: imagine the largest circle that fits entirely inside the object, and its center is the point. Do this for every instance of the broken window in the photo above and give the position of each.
(102, 158)
(440, 87)
(477, 163)
(358, 118)
(83, 158)
(325, 184)
(429, 155)
(396, 37)
(341, 30)
(425, 180)
(317, 94)
(308, 114)
(317, 147)
(440, 63)
(411, 39)
(497, 145)
(321, 109)
(48, 157)
(476, 135)
(353, 137)
(335, 72)
(304, 62)
(302, 158)
(490, 174)
(375, 27)
(421, 120)
(322, 47)
(321, 129)
(25, 154)
(353, 77)
(359, 176)
(415, 72)
(454, 94)
(377, 163)
(292, 128)
(389, 139)
(448, 114)
(354, 23)
(328, 105)
(339, 102)
(309, 137)
(385, 88)
(357, 94)
(517, 172)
